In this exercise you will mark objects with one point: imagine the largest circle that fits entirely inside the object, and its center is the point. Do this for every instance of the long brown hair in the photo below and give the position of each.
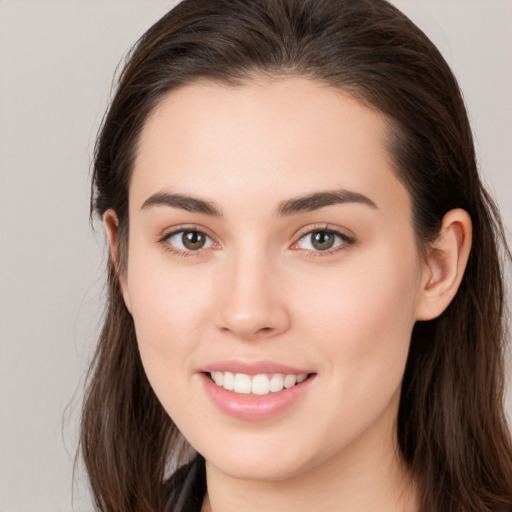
(452, 430)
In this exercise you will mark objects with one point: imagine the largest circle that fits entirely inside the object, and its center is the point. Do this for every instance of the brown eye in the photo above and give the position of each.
(322, 240)
(193, 240)
(189, 240)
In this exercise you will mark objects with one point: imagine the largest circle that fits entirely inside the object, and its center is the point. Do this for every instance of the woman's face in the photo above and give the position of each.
(271, 241)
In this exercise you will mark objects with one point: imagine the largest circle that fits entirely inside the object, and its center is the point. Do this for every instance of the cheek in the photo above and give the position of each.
(364, 321)
(362, 332)
(169, 307)
(167, 314)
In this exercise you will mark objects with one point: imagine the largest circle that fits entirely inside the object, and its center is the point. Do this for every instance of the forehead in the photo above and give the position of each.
(291, 135)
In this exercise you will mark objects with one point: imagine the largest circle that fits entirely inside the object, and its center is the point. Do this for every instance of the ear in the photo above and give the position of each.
(445, 265)
(111, 223)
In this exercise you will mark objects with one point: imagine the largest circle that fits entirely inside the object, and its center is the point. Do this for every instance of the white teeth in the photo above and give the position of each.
(229, 381)
(218, 377)
(276, 382)
(242, 384)
(260, 384)
(290, 381)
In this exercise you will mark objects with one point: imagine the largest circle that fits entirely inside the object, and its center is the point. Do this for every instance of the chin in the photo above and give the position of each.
(261, 465)
(241, 470)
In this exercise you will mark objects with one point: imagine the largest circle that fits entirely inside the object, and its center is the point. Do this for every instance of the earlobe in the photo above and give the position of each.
(111, 223)
(445, 265)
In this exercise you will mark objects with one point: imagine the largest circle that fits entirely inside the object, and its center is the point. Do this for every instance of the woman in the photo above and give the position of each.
(306, 300)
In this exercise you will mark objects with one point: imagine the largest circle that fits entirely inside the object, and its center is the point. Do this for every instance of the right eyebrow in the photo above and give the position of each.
(182, 202)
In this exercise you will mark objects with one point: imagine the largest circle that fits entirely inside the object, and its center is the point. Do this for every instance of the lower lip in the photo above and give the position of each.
(254, 407)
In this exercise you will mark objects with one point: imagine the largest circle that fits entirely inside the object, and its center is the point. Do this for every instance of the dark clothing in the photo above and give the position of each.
(185, 490)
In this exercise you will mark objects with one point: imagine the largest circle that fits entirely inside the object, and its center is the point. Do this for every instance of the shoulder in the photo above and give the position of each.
(185, 489)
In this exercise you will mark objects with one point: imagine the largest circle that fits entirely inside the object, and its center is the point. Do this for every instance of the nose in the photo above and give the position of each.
(252, 304)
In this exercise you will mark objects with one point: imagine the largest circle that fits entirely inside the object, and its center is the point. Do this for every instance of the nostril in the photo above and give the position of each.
(252, 322)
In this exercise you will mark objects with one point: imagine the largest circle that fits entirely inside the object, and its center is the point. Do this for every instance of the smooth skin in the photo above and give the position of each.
(254, 285)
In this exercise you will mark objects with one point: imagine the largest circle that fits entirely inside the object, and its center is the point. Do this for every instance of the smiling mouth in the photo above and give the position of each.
(259, 385)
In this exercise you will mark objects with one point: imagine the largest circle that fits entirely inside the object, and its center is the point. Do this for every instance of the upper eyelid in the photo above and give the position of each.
(170, 247)
(166, 233)
(343, 232)
(164, 239)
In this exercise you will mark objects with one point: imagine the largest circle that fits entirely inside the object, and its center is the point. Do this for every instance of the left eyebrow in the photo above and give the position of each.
(317, 200)
(182, 202)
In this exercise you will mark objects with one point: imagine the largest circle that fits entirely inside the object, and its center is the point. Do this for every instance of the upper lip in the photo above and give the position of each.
(252, 367)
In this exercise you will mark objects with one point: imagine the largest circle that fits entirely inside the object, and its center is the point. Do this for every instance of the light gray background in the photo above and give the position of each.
(56, 64)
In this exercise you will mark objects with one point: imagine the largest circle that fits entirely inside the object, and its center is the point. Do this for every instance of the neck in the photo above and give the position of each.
(366, 476)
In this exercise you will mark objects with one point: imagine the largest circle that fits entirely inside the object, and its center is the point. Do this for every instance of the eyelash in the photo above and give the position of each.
(345, 241)
(181, 253)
